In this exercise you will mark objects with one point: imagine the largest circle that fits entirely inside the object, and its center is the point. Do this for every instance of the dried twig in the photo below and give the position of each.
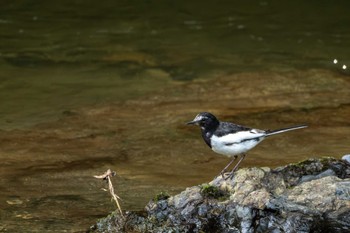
(107, 176)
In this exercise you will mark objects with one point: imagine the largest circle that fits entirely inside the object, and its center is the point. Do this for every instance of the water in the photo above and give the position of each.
(87, 86)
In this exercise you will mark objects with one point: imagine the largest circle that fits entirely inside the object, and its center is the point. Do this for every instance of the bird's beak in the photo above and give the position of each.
(194, 122)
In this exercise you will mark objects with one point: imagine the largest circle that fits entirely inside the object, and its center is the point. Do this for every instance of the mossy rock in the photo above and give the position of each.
(292, 173)
(161, 196)
(213, 192)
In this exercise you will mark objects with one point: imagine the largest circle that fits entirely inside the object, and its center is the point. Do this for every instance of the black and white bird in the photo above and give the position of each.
(230, 139)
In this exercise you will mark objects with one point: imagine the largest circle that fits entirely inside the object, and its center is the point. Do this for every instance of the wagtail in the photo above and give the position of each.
(230, 139)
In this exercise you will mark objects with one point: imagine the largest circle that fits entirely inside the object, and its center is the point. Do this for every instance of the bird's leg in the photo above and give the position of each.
(236, 166)
(229, 164)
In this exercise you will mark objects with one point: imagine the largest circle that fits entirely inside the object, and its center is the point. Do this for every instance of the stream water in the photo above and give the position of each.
(87, 85)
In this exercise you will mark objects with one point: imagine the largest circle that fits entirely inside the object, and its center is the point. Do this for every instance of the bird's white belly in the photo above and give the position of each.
(234, 148)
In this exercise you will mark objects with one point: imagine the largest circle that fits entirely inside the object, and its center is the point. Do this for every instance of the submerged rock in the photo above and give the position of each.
(311, 196)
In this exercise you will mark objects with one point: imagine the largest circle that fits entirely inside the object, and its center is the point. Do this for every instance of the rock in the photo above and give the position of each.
(310, 196)
(346, 158)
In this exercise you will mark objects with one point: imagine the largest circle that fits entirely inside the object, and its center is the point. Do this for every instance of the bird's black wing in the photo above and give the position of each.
(227, 128)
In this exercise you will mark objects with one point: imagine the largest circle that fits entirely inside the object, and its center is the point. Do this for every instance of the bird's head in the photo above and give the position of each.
(205, 120)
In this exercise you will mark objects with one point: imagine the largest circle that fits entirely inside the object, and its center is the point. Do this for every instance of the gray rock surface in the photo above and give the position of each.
(311, 196)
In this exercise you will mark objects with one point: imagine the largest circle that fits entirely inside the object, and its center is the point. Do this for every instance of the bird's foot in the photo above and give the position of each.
(225, 176)
(229, 176)
(221, 174)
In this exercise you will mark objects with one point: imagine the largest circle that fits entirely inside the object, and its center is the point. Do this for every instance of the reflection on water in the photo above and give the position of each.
(86, 87)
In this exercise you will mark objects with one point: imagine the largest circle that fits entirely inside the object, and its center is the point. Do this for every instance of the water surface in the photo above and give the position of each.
(87, 86)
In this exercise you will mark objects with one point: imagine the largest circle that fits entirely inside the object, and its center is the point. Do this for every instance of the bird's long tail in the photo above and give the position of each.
(277, 131)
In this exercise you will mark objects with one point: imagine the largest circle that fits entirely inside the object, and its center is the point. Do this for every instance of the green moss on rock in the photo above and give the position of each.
(161, 196)
(210, 191)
